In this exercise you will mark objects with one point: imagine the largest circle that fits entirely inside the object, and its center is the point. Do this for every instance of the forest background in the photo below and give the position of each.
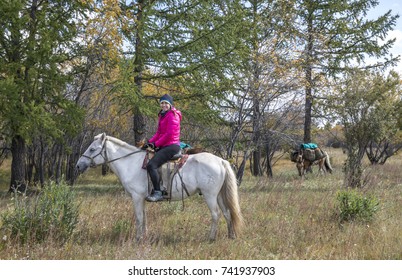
(252, 78)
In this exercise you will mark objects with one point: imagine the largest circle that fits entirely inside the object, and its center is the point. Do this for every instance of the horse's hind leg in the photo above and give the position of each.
(321, 166)
(215, 214)
(228, 218)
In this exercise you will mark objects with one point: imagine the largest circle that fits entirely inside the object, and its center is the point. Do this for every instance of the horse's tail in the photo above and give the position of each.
(327, 163)
(231, 197)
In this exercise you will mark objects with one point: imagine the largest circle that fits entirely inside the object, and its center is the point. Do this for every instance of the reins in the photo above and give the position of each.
(105, 157)
(127, 155)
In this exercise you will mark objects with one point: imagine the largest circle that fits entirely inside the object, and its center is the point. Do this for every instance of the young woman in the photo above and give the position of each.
(166, 142)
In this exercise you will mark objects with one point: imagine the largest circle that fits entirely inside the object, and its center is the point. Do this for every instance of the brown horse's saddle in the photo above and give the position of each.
(308, 154)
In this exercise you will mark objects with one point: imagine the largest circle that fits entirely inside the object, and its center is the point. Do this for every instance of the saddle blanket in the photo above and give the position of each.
(309, 146)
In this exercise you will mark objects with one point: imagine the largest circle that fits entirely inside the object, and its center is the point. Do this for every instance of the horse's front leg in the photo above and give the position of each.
(140, 218)
(301, 168)
(301, 172)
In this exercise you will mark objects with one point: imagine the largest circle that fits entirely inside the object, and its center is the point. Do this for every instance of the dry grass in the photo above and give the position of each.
(286, 218)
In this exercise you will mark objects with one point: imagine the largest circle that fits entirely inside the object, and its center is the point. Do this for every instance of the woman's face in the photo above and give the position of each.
(165, 106)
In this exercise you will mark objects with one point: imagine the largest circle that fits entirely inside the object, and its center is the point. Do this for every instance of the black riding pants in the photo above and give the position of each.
(160, 157)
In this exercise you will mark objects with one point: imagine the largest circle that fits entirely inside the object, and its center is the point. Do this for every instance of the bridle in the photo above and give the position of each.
(92, 159)
(104, 155)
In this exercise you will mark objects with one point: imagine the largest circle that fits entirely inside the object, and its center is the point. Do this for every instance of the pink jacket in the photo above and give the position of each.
(168, 132)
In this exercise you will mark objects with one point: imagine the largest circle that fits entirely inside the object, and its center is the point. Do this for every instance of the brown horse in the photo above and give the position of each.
(303, 165)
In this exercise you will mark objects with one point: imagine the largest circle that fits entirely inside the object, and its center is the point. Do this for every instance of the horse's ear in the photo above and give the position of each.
(101, 136)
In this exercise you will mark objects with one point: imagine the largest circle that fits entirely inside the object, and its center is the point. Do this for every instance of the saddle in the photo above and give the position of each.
(167, 171)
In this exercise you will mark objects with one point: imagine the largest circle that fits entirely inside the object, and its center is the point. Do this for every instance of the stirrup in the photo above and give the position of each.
(156, 196)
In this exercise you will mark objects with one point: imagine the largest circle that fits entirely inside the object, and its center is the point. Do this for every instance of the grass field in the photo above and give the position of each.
(286, 218)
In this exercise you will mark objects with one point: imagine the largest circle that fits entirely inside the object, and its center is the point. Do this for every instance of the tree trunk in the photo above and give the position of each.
(72, 158)
(71, 173)
(17, 182)
(270, 173)
(256, 163)
(309, 84)
(307, 115)
(256, 129)
(30, 166)
(240, 171)
(138, 118)
(353, 167)
(59, 164)
(41, 169)
(139, 124)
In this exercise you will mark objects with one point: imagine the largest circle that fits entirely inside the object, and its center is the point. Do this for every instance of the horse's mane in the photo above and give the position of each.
(118, 142)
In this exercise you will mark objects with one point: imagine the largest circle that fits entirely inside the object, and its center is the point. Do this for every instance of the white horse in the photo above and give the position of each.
(203, 173)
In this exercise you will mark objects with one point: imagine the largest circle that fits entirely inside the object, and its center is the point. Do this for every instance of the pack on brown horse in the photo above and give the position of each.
(304, 161)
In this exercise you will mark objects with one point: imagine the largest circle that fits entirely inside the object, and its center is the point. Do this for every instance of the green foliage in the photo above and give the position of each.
(39, 56)
(39, 39)
(52, 213)
(181, 47)
(366, 104)
(354, 206)
(338, 35)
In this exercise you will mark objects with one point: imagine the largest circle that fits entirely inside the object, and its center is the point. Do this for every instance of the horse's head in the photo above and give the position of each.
(94, 155)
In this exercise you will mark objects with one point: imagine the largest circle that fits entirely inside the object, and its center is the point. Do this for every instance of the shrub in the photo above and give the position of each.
(52, 213)
(355, 206)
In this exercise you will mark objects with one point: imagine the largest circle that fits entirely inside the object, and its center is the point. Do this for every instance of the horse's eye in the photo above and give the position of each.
(92, 150)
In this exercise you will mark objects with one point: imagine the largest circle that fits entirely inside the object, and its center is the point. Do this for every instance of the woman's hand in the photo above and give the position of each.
(148, 145)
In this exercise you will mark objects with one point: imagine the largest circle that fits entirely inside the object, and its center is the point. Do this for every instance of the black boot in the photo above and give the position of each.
(156, 196)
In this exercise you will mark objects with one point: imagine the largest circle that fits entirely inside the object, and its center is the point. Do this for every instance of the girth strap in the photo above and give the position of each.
(177, 167)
